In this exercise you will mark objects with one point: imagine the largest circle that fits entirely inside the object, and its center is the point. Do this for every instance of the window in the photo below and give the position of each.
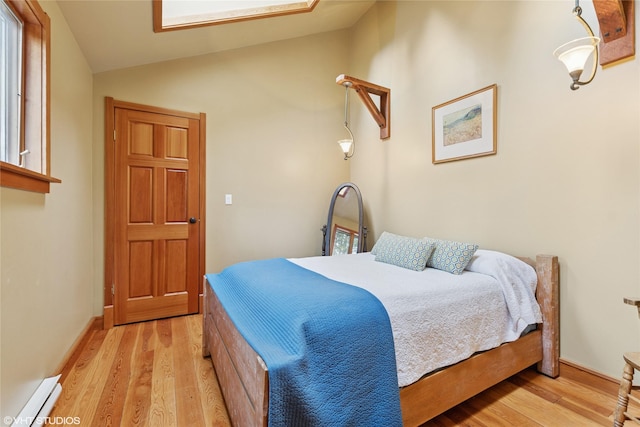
(181, 14)
(24, 96)
(10, 84)
(345, 241)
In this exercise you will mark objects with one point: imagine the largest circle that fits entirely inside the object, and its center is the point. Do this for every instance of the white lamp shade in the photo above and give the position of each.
(574, 54)
(345, 145)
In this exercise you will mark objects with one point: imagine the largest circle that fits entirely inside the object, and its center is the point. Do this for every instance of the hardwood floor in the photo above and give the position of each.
(144, 374)
(153, 374)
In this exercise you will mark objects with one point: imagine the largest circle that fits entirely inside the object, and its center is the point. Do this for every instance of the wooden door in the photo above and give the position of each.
(157, 213)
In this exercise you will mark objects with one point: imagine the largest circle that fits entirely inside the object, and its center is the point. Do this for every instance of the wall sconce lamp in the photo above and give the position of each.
(381, 114)
(347, 145)
(574, 54)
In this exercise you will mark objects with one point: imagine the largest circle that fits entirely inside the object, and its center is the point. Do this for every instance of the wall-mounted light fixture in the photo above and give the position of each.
(574, 54)
(380, 114)
(348, 145)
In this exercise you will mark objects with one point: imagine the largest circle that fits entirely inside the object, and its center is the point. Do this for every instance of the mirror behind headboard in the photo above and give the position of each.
(345, 231)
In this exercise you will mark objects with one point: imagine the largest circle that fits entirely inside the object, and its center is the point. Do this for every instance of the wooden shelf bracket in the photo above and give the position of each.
(364, 89)
(617, 29)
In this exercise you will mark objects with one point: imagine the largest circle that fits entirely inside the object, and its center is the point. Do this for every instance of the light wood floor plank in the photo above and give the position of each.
(153, 374)
(210, 393)
(544, 412)
(138, 400)
(77, 380)
(88, 372)
(589, 403)
(495, 413)
(163, 395)
(189, 408)
(94, 373)
(112, 400)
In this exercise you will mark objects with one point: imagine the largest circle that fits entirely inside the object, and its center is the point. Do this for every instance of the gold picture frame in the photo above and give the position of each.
(465, 127)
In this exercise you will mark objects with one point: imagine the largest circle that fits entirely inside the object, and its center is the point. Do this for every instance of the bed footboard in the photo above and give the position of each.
(242, 374)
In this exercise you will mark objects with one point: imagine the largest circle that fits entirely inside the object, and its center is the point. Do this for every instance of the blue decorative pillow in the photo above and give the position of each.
(406, 252)
(450, 256)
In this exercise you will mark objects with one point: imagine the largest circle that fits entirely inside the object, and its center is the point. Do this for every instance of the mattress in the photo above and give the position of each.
(438, 318)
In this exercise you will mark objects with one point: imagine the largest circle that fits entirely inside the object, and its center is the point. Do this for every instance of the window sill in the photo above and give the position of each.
(13, 176)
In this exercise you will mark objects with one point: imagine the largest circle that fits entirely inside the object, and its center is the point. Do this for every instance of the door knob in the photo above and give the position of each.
(192, 220)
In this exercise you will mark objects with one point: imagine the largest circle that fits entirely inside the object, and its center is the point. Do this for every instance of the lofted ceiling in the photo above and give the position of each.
(115, 34)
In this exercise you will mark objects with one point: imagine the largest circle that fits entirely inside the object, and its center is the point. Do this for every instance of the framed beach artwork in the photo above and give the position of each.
(465, 127)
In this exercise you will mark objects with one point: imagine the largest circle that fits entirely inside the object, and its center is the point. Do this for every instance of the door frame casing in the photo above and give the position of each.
(109, 213)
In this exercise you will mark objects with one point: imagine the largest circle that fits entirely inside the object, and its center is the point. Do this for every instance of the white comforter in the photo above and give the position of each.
(439, 318)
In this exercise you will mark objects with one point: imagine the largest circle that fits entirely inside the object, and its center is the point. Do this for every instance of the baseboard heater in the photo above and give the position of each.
(36, 411)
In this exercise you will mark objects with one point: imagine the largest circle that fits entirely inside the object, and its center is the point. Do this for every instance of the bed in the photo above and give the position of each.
(427, 387)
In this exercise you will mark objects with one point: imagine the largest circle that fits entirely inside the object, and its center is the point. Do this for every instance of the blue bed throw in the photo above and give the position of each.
(328, 345)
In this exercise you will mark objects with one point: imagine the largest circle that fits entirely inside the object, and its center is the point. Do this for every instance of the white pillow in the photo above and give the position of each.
(496, 264)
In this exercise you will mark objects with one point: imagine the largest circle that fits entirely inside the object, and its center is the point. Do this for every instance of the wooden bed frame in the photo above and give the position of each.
(244, 378)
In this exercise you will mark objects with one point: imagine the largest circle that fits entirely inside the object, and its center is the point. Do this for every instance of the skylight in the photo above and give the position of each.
(180, 14)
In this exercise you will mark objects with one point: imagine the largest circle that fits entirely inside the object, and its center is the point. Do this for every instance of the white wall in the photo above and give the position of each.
(46, 263)
(565, 179)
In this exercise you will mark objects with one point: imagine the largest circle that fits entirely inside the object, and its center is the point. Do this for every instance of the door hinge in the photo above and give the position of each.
(113, 289)
(114, 135)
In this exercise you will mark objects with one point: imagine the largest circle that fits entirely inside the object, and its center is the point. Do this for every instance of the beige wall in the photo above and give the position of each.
(565, 179)
(46, 262)
(273, 116)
